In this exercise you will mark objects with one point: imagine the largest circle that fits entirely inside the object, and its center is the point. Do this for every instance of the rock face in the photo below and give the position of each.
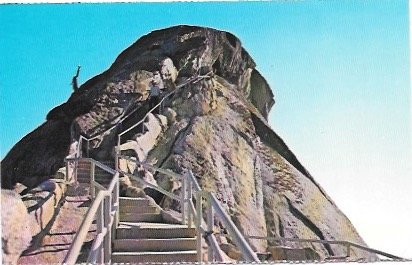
(216, 127)
(15, 227)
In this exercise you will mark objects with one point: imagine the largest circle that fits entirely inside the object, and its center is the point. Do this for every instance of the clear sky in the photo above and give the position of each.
(339, 71)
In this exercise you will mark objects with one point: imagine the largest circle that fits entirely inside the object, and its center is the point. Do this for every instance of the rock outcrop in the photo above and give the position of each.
(16, 231)
(216, 127)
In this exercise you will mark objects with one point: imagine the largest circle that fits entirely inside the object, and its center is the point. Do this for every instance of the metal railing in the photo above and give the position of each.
(205, 229)
(83, 138)
(191, 213)
(105, 210)
(194, 79)
(191, 201)
(346, 244)
(105, 207)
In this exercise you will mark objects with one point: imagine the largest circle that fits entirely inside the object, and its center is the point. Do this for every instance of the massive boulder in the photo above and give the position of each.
(216, 127)
(16, 227)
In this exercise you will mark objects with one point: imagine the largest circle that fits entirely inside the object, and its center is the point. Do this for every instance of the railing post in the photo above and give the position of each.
(199, 226)
(79, 147)
(88, 148)
(92, 187)
(100, 224)
(189, 200)
(76, 167)
(107, 242)
(183, 200)
(210, 224)
(116, 157)
(116, 204)
(66, 178)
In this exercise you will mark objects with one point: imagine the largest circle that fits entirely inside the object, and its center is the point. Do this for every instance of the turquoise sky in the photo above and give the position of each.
(339, 71)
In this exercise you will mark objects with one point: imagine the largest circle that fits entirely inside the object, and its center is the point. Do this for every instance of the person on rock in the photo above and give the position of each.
(74, 80)
(154, 96)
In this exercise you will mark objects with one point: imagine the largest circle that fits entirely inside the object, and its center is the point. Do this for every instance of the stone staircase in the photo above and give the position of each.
(101, 176)
(143, 237)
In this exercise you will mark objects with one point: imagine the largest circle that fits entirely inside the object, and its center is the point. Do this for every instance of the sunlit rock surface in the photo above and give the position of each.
(216, 127)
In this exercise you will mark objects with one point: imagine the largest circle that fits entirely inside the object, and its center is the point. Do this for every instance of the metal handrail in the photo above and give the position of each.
(105, 209)
(215, 208)
(186, 199)
(147, 184)
(155, 107)
(345, 243)
(190, 184)
(82, 138)
(88, 139)
(147, 166)
(215, 252)
(97, 163)
(181, 199)
(193, 79)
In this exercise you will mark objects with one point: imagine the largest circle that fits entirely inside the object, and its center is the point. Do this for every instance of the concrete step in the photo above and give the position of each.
(140, 217)
(146, 230)
(87, 176)
(134, 202)
(87, 165)
(140, 209)
(100, 181)
(166, 244)
(96, 173)
(83, 175)
(104, 182)
(152, 257)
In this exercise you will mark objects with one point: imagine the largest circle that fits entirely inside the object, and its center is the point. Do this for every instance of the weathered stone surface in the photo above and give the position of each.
(261, 95)
(54, 245)
(15, 227)
(146, 141)
(216, 127)
(231, 251)
(176, 53)
(42, 203)
(171, 216)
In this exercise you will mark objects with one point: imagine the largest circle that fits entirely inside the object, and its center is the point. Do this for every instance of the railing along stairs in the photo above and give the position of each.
(193, 203)
(192, 198)
(105, 207)
(87, 140)
(79, 150)
(105, 210)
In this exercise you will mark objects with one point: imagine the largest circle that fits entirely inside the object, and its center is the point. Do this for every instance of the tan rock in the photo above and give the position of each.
(171, 216)
(220, 132)
(15, 227)
(288, 253)
(231, 251)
